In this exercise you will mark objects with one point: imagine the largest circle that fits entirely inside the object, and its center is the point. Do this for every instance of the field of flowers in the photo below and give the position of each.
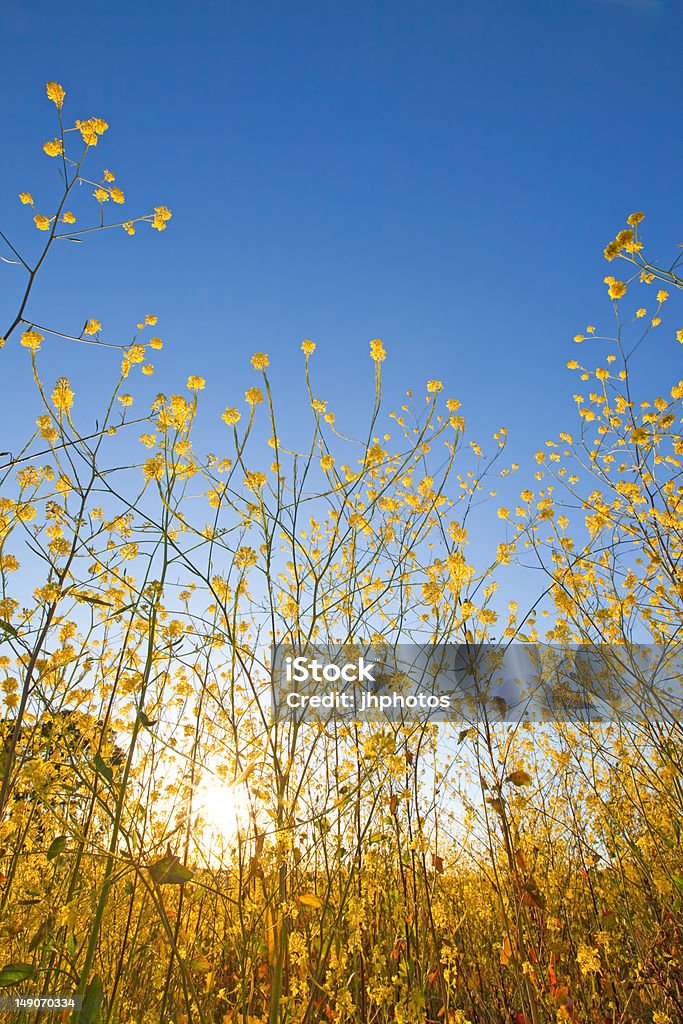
(169, 852)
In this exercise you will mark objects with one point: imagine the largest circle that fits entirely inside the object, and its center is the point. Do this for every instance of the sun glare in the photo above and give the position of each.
(220, 813)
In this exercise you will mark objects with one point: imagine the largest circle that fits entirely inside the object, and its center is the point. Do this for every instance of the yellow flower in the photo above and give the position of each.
(327, 462)
(126, 400)
(662, 296)
(579, 337)
(107, 175)
(231, 416)
(68, 218)
(41, 222)
(635, 218)
(434, 386)
(253, 396)
(154, 468)
(254, 481)
(151, 320)
(136, 354)
(452, 404)
(161, 215)
(117, 195)
(26, 198)
(572, 364)
(54, 147)
(101, 195)
(92, 327)
(31, 340)
(91, 128)
(616, 289)
(129, 227)
(62, 396)
(156, 343)
(377, 352)
(260, 361)
(308, 347)
(588, 958)
(196, 383)
(56, 93)
(245, 557)
(148, 369)
(641, 312)
(679, 336)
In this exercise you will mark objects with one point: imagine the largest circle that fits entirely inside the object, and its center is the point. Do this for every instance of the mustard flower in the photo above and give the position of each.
(56, 93)
(53, 147)
(377, 352)
(260, 361)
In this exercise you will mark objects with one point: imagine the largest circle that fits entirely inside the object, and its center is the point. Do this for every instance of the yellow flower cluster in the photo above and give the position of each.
(616, 289)
(161, 215)
(91, 129)
(31, 340)
(53, 147)
(56, 93)
(260, 361)
(253, 396)
(62, 396)
(377, 353)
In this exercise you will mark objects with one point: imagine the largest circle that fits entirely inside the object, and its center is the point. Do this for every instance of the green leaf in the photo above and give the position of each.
(12, 974)
(169, 871)
(92, 1001)
(4, 625)
(147, 722)
(57, 846)
(103, 768)
(200, 964)
(91, 600)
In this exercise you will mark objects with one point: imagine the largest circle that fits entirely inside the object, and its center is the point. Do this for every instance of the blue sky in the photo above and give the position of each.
(440, 175)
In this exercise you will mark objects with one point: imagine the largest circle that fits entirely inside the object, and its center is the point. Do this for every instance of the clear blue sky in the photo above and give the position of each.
(442, 175)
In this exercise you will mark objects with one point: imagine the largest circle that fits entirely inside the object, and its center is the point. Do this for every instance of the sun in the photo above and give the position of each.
(220, 815)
